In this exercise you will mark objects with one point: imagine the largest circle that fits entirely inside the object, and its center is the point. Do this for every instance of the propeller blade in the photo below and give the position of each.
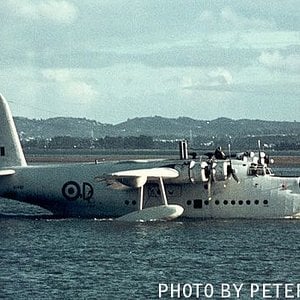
(235, 177)
(209, 188)
(232, 171)
(211, 165)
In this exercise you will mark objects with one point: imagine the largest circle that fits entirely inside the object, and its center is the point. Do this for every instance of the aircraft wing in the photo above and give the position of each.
(154, 172)
(7, 172)
(137, 178)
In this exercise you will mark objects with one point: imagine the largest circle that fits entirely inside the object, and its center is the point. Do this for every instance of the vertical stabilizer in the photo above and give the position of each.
(11, 153)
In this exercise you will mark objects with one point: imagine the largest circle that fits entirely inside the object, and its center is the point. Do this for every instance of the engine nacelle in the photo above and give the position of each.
(201, 172)
(222, 170)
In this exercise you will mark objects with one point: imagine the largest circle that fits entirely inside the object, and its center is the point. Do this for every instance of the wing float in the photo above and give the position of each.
(137, 179)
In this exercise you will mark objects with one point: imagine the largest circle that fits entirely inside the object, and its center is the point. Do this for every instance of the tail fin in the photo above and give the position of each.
(11, 153)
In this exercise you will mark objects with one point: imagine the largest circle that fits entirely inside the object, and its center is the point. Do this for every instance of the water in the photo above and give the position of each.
(45, 258)
(93, 259)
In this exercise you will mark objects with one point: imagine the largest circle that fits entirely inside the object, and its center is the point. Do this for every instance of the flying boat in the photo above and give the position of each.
(190, 187)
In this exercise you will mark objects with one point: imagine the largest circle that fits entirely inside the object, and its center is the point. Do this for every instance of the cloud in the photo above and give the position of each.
(271, 89)
(58, 11)
(276, 61)
(70, 84)
(130, 56)
(228, 20)
(214, 80)
(200, 55)
(221, 76)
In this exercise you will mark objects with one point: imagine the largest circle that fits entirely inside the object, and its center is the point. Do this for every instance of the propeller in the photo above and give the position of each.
(264, 159)
(259, 152)
(231, 170)
(210, 175)
(191, 167)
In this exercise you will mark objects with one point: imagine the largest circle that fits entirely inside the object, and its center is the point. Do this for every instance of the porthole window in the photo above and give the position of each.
(206, 202)
(248, 202)
(256, 202)
(217, 202)
(266, 202)
(240, 202)
(232, 202)
(225, 202)
(189, 202)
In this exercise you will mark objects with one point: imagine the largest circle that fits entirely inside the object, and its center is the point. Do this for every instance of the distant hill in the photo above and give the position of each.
(75, 127)
(181, 127)
(184, 127)
(158, 132)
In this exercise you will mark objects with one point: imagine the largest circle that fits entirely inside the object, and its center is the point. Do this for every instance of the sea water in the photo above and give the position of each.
(46, 258)
(103, 259)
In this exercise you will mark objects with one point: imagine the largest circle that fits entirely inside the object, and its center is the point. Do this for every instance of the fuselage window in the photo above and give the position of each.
(225, 202)
(206, 202)
(240, 202)
(2, 151)
(232, 202)
(256, 202)
(248, 202)
(217, 202)
(189, 202)
(266, 202)
(126, 202)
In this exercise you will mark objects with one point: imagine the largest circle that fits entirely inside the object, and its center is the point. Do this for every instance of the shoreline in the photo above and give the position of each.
(65, 158)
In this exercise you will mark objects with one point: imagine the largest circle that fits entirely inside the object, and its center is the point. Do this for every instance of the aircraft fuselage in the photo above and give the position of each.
(87, 190)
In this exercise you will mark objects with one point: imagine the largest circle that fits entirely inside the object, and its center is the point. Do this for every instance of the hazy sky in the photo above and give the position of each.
(111, 60)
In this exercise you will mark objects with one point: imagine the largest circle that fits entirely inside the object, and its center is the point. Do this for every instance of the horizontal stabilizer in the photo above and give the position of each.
(7, 172)
(156, 213)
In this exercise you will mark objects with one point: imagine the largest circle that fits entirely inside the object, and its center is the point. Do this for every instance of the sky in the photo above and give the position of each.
(113, 60)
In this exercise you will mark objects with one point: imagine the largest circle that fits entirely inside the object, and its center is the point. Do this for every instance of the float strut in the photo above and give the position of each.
(163, 191)
(141, 197)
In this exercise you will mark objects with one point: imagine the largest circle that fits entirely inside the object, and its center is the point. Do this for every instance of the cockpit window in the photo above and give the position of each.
(269, 171)
(259, 170)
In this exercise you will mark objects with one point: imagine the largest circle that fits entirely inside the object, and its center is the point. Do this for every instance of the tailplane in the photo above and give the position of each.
(11, 153)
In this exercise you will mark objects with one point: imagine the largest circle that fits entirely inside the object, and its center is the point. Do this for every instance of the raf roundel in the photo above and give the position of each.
(71, 190)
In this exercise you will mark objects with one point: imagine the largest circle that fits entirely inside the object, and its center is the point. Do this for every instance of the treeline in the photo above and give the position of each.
(291, 142)
(67, 142)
